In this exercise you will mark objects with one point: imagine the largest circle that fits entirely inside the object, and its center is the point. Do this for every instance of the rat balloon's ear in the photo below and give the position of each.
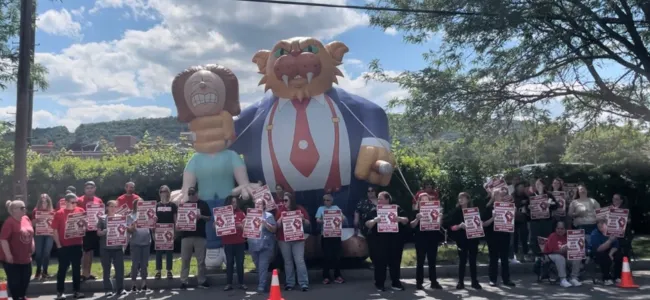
(337, 50)
(261, 58)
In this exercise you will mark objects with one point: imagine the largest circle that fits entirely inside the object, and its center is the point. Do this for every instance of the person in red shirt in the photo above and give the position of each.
(68, 190)
(128, 197)
(428, 188)
(556, 249)
(293, 252)
(278, 197)
(90, 240)
(43, 242)
(235, 245)
(17, 241)
(69, 246)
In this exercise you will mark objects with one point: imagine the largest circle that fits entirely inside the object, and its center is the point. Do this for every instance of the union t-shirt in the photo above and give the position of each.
(126, 199)
(20, 235)
(59, 222)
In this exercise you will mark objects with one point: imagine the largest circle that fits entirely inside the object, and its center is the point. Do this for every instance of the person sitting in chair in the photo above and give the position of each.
(556, 249)
(604, 250)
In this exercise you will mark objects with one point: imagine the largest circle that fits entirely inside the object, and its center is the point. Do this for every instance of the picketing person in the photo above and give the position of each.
(520, 236)
(606, 252)
(467, 248)
(263, 249)
(498, 242)
(43, 242)
(90, 240)
(583, 210)
(556, 248)
(140, 243)
(235, 246)
(625, 242)
(331, 246)
(69, 248)
(17, 242)
(542, 226)
(193, 242)
(111, 255)
(426, 248)
(166, 212)
(293, 252)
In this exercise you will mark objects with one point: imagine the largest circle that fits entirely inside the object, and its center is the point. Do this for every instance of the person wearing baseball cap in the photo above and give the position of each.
(69, 250)
(91, 239)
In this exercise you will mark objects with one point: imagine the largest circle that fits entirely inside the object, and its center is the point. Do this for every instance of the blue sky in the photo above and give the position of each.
(115, 59)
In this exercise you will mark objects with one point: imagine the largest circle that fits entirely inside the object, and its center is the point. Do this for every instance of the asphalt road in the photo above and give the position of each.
(527, 288)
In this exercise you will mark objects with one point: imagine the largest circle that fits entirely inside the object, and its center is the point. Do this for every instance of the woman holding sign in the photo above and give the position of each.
(111, 254)
(426, 226)
(541, 206)
(330, 238)
(583, 210)
(17, 242)
(165, 215)
(235, 246)
(498, 241)
(140, 247)
(467, 248)
(384, 223)
(291, 239)
(42, 216)
(261, 246)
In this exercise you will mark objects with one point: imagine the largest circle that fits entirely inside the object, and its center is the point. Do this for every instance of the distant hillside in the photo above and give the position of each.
(167, 128)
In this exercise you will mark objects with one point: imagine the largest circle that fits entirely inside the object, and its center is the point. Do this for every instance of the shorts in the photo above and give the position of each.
(91, 241)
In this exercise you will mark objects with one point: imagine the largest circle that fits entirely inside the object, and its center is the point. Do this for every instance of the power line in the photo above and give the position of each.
(433, 12)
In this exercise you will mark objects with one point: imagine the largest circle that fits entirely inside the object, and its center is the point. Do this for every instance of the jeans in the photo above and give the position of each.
(113, 257)
(294, 253)
(560, 264)
(197, 245)
(331, 256)
(69, 256)
(169, 257)
(520, 236)
(262, 260)
(140, 261)
(43, 244)
(18, 276)
(235, 256)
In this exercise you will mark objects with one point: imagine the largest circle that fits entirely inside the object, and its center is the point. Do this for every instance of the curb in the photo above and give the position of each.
(217, 278)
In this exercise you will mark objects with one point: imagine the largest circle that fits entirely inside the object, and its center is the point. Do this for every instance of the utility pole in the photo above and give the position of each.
(32, 53)
(22, 101)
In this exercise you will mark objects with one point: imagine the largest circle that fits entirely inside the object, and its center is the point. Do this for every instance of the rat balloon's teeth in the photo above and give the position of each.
(285, 78)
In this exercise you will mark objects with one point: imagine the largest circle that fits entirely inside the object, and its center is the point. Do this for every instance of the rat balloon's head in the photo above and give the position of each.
(205, 91)
(300, 67)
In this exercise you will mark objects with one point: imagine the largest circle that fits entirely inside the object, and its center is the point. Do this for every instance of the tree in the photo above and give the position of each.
(501, 59)
(609, 144)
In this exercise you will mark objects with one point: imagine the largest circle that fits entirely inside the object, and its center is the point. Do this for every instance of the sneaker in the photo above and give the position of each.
(204, 285)
(134, 289)
(37, 276)
(608, 282)
(243, 287)
(228, 287)
(108, 294)
(339, 280)
(45, 276)
(509, 283)
(492, 283)
(514, 261)
(575, 282)
(158, 275)
(288, 288)
(380, 288)
(618, 280)
(564, 283)
(435, 285)
(326, 281)
(183, 286)
(476, 285)
(460, 285)
(78, 295)
(304, 288)
(397, 287)
(170, 275)
(419, 286)
(122, 293)
(60, 297)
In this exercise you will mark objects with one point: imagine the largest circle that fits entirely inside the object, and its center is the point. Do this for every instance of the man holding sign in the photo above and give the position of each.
(193, 241)
(331, 220)
(426, 226)
(605, 251)
(69, 227)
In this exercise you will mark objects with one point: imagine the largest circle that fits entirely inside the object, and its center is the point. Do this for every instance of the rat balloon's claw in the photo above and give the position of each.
(285, 78)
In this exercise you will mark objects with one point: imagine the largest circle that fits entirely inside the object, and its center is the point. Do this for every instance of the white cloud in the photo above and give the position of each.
(58, 22)
(391, 31)
(142, 63)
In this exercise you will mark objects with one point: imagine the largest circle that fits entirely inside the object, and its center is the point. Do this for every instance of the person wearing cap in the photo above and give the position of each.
(91, 239)
(69, 250)
(68, 190)
(427, 188)
(195, 241)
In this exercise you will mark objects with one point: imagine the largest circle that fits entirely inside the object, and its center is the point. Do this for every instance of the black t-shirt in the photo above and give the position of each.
(200, 223)
(165, 212)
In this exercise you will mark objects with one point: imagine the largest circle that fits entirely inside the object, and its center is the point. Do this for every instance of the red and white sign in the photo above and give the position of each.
(43, 222)
(571, 190)
(116, 231)
(617, 222)
(123, 210)
(539, 207)
(602, 213)
(93, 213)
(187, 216)
(164, 236)
(75, 226)
(560, 199)
(146, 215)
(224, 220)
(576, 244)
(253, 223)
(388, 218)
(264, 193)
(496, 184)
(504, 217)
(507, 198)
(332, 223)
(431, 213)
(292, 226)
(473, 223)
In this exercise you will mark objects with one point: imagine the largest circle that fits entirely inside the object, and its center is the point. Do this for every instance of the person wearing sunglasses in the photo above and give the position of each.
(165, 214)
(69, 250)
(195, 242)
(17, 241)
(293, 252)
(44, 242)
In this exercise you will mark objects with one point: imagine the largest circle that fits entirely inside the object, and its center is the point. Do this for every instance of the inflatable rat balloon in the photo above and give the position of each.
(207, 97)
(311, 137)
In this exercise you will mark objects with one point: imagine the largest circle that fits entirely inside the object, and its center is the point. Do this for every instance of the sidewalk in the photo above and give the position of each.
(218, 278)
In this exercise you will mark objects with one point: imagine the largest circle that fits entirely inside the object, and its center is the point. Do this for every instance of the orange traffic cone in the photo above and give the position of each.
(3, 291)
(626, 276)
(275, 293)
